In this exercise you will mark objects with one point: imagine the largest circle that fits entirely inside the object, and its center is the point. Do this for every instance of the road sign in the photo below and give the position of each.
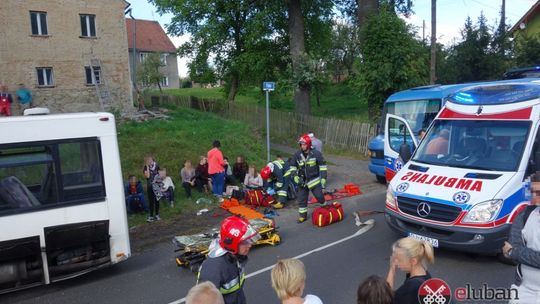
(269, 86)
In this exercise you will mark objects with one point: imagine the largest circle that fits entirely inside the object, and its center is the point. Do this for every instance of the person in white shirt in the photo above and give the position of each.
(253, 179)
(315, 142)
(289, 281)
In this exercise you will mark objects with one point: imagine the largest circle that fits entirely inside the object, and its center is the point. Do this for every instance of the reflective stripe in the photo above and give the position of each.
(302, 210)
(311, 162)
(323, 168)
(314, 182)
(278, 164)
(288, 173)
(282, 193)
(233, 285)
(279, 185)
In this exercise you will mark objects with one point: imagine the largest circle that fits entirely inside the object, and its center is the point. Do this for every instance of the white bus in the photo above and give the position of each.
(62, 208)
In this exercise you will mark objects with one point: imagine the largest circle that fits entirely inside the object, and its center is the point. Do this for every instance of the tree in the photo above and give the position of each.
(391, 60)
(345, 48)
(227, 29)
(526, 50)
(477, 56)
(200, 71)
(148, 73)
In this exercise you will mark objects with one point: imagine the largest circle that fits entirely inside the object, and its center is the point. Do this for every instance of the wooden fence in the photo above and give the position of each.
(337, 133)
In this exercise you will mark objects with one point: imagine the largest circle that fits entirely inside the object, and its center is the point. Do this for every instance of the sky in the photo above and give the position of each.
(451, 15)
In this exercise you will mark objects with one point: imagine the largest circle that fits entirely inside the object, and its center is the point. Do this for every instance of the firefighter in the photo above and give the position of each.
(308, 169)
(227, 257)
(277, 174)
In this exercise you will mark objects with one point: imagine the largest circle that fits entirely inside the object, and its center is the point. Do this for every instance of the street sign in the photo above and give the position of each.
(269, 86)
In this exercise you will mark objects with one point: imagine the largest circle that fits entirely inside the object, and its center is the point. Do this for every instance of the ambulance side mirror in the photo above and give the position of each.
(405, 152)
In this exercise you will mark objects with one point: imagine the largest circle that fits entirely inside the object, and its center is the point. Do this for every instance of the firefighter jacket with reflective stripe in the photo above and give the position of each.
(227, 273)
(310, 167)
(280, 177)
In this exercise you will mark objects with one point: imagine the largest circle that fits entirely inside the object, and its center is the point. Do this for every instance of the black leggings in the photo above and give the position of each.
(187, 186)
(152, 201)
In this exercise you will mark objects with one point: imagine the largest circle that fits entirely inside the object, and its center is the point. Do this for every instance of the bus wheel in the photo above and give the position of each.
(381, 179)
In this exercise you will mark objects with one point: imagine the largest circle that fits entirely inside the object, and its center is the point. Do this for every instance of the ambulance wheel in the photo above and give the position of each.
(381, 179)
(505, 260)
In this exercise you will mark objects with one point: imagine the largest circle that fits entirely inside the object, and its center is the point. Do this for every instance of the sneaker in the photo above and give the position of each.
(157, 218)
(277, 205)
(150, 219)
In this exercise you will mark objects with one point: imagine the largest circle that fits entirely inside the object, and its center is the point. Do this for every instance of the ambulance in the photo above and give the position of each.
(469, 177)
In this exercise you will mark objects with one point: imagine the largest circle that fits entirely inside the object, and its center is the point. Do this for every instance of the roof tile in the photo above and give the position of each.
(150, 36)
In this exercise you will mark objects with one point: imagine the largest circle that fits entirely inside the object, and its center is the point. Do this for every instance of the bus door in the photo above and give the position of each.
(399, 144)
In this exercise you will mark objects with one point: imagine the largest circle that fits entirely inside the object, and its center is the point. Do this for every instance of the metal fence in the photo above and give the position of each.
(337, 133)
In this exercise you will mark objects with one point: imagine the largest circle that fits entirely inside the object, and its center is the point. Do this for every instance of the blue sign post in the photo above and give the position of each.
(268, 86)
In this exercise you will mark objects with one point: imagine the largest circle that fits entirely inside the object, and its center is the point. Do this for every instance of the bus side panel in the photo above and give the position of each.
(118, 228)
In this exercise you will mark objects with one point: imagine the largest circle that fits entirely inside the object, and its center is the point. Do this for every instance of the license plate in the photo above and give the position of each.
(434, 242)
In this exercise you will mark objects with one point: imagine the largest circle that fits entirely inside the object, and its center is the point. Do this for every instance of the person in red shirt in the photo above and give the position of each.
(5, 101)
(216, 168)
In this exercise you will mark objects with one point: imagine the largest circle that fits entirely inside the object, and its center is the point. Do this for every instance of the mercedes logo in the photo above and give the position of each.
(423, 209)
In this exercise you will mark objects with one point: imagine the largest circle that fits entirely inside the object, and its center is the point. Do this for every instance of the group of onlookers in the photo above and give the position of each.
(288, 279)
(211, 174)
(23, 94)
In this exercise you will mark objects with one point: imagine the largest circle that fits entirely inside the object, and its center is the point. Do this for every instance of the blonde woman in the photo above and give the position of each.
(289, 280)
(253, 179)
(410, 256)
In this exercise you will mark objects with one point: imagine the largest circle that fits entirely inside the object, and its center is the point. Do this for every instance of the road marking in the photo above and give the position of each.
(367, 225)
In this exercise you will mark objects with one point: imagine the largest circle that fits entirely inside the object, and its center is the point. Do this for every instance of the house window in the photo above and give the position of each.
(45, 77)
(38, 21)
(88, 25)
(164, 82)
(93, 78)
(142, 56)
(163, 59)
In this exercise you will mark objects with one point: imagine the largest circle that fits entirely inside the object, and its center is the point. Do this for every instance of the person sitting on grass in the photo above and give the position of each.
(134, 192)
(253, 179)
(229, 177)
(163, 186)
(188, 177)
(202, 178)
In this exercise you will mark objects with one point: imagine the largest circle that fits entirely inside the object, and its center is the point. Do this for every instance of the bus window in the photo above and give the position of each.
(40, 175)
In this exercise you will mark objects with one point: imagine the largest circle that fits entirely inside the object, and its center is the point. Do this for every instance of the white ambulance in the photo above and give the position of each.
(464, 184)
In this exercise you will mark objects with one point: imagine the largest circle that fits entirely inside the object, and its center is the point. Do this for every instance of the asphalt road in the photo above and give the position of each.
(334, 273)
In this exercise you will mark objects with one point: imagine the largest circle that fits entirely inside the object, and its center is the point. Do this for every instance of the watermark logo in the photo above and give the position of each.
(437, 291)
(434, 291)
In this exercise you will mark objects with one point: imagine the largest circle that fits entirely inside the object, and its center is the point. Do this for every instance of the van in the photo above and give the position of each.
(469, 177)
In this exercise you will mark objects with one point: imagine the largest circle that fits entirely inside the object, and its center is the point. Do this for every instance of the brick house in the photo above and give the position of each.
(48, 46)
(150, 37)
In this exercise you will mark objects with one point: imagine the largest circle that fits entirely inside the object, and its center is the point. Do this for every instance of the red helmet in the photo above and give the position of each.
(266, 172)
(235, 230)
(305, 139)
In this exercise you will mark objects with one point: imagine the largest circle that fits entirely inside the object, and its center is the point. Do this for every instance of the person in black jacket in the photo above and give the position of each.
(308, 169)
(227, 257)
(410, 256)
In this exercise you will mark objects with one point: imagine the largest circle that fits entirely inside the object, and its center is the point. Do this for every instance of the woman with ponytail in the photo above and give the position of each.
(410, 256)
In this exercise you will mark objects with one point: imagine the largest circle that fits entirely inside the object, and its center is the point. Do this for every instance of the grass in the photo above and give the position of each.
(337, 100)
(186, 135)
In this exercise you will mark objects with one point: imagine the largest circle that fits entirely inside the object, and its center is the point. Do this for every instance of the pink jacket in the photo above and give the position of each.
(215, 161)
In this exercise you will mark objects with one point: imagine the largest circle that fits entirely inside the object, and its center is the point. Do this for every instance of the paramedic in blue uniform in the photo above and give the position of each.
(308, 169)
(227, 257)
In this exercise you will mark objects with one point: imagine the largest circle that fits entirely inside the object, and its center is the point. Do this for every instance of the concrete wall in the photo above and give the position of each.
(66, 52)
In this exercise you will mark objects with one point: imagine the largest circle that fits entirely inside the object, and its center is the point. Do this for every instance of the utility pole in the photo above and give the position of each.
(432, 71)
(502, 27)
